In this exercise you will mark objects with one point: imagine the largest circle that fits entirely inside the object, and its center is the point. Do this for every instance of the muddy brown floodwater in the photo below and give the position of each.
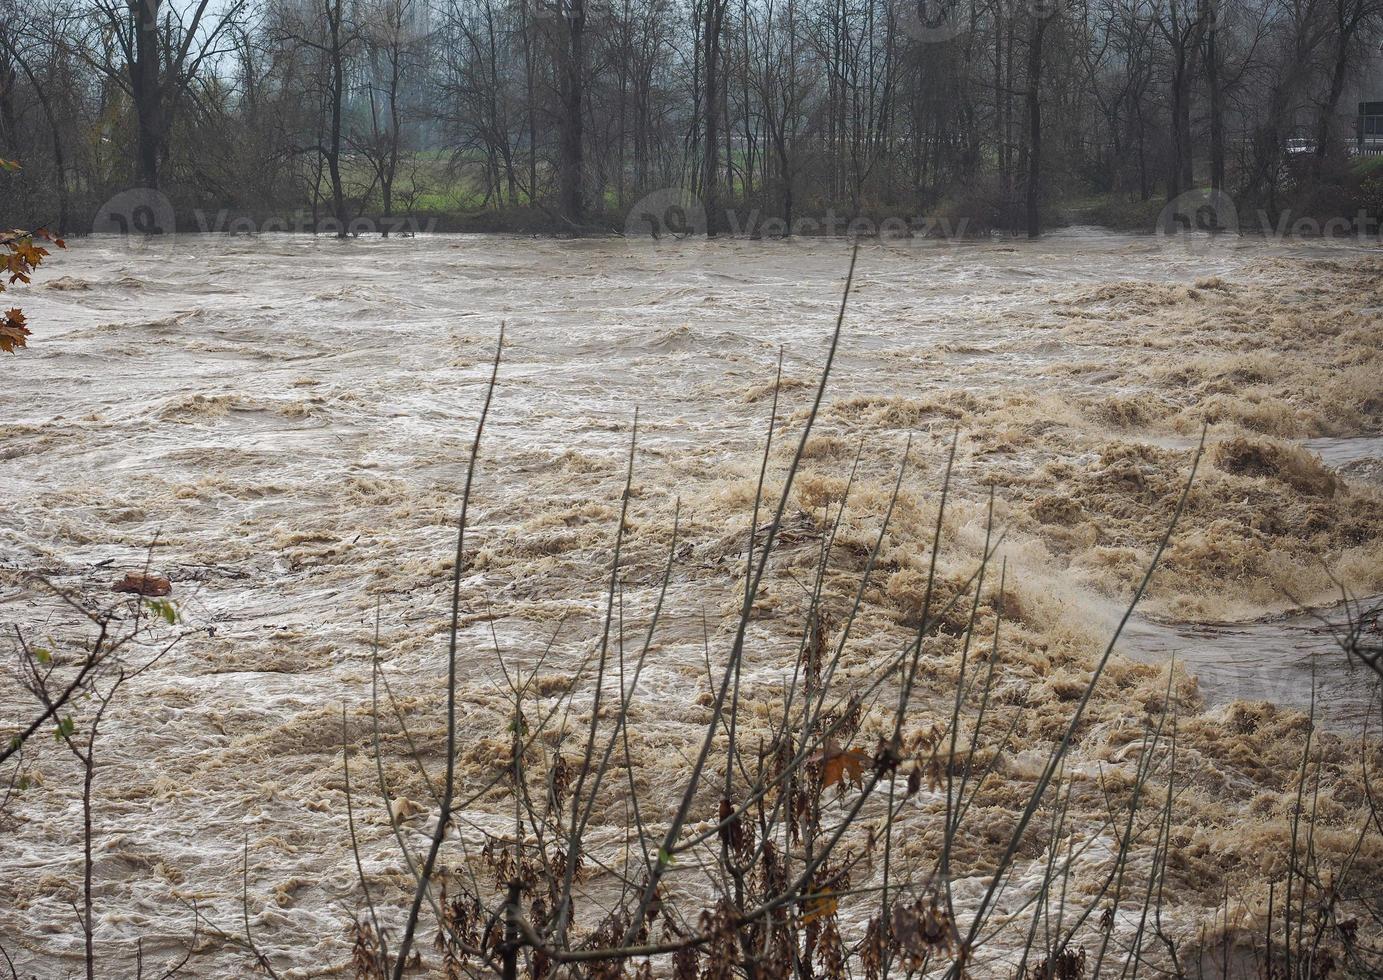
(289, 418)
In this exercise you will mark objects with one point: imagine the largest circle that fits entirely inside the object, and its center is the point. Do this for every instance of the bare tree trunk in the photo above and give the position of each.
(388, 172)
(1186, 162)
(147, 89)
(1175, 171)
(333, 151)
(1006, 126)
(570, 125)
(1144, 191)
(1213, 84)
(1348, 16)
(710, 94)
(1183, 35)
(50, 116)
(1332, 101)
(532, 108)
(9, 128)
(1000, 119)
(1034, 221)
(394, 137)
(750, 142)
(729, 139)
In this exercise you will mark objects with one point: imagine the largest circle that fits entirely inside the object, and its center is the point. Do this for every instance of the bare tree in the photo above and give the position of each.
(392, 38)
(1039, 19)
(160, 54)
(74, 691)
(1351, 23)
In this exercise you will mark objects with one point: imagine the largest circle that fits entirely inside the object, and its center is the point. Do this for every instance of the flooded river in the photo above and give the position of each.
(286, 421)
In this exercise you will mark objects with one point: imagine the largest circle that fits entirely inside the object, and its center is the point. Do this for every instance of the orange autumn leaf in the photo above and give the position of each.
(841, 765)
(20, 255)
(13, 332)
(820, 905)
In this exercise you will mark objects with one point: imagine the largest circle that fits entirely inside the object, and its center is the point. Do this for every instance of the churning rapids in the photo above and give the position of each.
(289, 418)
